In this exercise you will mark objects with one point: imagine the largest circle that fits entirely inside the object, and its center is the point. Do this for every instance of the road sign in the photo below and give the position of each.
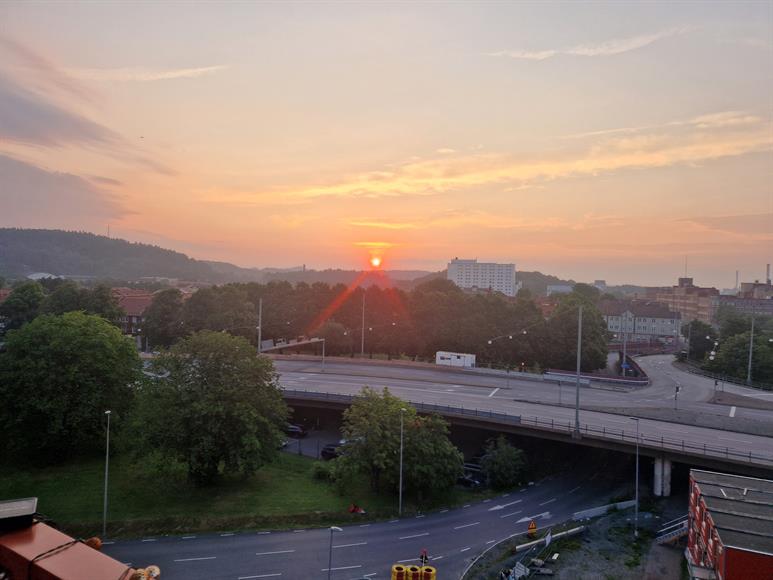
(532, 528)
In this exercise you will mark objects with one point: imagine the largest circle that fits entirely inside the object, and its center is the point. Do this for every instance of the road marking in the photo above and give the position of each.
(408, 560)
(466, 526)
(149, 540)
(494, 392)
(393, 521)
(272, 553)
(188, 537)
(547, 502)
(196, 559)
(491, 541)
(505, 495)
(414, 536)
(259, 533)
(732, 411)
(341, 568)
(464, 549)
(107, 543)
(298, 531)
(364, 525)
(226, 534)
(437, 558)
(512, 514)
(574, 489)
(465, 506)
(443, 511)
(503, 506)
(486, 500)
(350, 545)
(421, 516)
(522, 490)
(369, 575)
(259, 576)
(534, 517)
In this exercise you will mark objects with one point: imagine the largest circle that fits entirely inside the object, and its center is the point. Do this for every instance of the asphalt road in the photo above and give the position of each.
(452, 538)
(529, 398)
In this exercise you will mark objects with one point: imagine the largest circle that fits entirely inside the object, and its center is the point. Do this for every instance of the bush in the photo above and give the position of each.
(322, 471)
(503, 464)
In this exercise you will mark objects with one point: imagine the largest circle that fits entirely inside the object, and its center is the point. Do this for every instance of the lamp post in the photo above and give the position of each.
(330, 553)
(751, 344)
(323, 355)
(362, 335)
(260, 323)
(400, 484)
(107, 465)
(579, 360)
(636, 507)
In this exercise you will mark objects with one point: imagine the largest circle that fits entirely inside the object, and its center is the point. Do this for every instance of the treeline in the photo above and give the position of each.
(435, 316)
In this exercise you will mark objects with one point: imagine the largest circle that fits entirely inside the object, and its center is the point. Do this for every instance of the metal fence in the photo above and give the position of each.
(567, 427)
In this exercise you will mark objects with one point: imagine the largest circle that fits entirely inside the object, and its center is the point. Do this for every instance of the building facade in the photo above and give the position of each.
(483, 276)
(554, 289)
(748, 306)
(692, 302)
(730, 527)
(641, 320)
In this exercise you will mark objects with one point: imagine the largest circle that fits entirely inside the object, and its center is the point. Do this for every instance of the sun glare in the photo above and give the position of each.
(375, 261)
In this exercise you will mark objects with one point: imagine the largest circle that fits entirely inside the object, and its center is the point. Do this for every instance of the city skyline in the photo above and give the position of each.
(627, 143)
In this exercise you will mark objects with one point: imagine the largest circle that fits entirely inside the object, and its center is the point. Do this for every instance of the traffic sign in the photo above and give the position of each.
(532, 527)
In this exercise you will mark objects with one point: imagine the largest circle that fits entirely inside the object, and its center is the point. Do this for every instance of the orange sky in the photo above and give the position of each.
(587, 141)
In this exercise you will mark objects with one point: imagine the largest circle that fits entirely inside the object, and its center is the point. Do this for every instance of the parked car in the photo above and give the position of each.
(296, 431)
(467, 480)
(330, 451)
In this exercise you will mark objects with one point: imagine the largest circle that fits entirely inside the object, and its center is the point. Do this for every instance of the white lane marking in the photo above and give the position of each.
(369, 575)
(421, 516)
(259, 576)
(350, 545)
(494, 392)
(298, 531)
(491, 541)
(408, 560)
(464, 549)
(414, 536)
(443, 511)
(534, 517)
(732, 411)
(149, 540)
(196, 559)
(226, 534)
(272, 553)
(573, 490)
(465, 506)
(547, 502)
(512, 514)
(188, 537)
(437, 558)
(486, 500)
(505, 495)
(503, 506)
(364, 525)
(126, 563)
(342, 568)
(466, 526)
(107, 543)
(393, 521)
(522, 490)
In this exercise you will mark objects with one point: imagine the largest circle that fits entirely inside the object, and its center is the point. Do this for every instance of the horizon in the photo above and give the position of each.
(626, 142)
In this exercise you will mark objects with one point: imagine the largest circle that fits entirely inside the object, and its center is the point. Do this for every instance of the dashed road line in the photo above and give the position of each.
(393, 521)
(272, 553)
(443, 511)
(196, 559)
(298, 531)
(149, 540)
(732, 411)
(547, 502)
(437, 558)
(408, 560)
(259, 576)
(573, 490)
(465, 506)
(414, 536)
(350, 545)
(420, 516)
(466, 526)
(364, 525)
(494, 392)
(491, 541)
(107, 543)
(512, 514)
(342, 568)
(226, 534)
(263, 533)
(188, 538)
(464, 549)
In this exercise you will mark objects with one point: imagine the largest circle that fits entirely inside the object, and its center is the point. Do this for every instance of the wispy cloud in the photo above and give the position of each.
(142, 74)
(606, 48)
(756, 225)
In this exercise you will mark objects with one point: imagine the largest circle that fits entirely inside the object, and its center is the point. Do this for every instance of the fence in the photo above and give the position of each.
(568, 428)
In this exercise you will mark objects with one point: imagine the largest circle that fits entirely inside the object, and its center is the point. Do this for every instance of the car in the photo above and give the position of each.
(296, 431)
(330, 451)
(467, 480)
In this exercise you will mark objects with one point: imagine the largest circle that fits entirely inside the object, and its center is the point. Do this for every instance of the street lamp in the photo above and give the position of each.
(330, 554)
(579, 359)
(107, 464)
(400, 491)
(636, 507)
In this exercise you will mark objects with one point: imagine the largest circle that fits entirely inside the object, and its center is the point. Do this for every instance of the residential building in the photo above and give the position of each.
(749, 306)
(641, 320)
(601, 285)
(483, 276)
(730, 527)
(133, 302)
(692, 302)
(554, 289)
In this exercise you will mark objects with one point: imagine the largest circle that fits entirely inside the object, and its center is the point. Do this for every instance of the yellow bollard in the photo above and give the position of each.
(414, 573)
(399, 573)
(428, 573)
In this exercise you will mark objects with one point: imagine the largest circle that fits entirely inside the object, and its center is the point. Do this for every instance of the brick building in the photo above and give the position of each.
(692, 302)
(730, 533)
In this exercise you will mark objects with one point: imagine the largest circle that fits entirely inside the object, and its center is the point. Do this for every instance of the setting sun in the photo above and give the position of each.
(375, 261)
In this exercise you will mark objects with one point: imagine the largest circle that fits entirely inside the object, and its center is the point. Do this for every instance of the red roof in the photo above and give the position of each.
(135, 305)
(4, 293)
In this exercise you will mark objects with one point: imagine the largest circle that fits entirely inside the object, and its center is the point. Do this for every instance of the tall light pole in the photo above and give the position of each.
(636, 507)
(260, 323)
(107, 464)
(751, 345)
(400, 484)
(323, 355)
(579, 359)
(362, 336)
(330, 554)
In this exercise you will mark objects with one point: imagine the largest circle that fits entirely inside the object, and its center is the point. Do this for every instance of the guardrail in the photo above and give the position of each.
(693, 370)
(567, 427)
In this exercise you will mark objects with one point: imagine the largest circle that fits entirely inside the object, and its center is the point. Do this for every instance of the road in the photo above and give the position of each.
(452, 538)
(544, 400)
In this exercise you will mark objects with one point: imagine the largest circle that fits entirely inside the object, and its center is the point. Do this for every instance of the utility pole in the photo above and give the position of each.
(636, 516)
(260, 324)
(107, 467)
(579, 358)
(400, 492)
(362, 336)
(689, 339)
(625, 351)
(751, 347)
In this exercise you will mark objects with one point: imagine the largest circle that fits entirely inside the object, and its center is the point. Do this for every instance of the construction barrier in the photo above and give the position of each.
(399, 572)
(428, 573)
(414, 573)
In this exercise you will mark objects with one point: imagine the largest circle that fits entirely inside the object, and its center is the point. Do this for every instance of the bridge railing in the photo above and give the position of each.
(566, 427)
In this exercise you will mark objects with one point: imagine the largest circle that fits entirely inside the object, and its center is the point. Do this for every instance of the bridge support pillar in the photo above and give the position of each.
(661, 481)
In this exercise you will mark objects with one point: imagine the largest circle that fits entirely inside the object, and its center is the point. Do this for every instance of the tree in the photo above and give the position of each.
(372, 428)
(561, 348)
(67, 297)
(214, 406)
(221, 308)
(57, 377)
(732, 358)
(731, 322)
(163, 324)
(700, 338)
(100, 301)
(503, 465)
(23, 304)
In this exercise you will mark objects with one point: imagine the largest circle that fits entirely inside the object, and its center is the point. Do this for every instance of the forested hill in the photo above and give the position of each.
(24, 252)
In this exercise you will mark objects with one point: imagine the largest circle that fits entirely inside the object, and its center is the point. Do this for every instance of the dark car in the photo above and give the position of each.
(296, 431)
(468, 480)
(330, 451)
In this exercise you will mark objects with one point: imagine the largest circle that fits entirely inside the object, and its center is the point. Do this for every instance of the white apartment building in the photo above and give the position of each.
(472, 275)
(641, 320)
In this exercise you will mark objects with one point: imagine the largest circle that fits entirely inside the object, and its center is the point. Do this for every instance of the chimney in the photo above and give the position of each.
(767, 275)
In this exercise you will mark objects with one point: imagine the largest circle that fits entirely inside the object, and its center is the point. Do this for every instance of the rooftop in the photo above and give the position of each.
(639, 308)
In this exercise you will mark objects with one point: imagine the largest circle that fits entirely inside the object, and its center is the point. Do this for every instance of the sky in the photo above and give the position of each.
(631, 142)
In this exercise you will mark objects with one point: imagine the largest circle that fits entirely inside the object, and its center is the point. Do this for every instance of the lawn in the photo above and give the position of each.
(282, 494)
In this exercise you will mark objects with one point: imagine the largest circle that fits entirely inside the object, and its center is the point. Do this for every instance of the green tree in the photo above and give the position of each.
(732, 358)
(67, 297)
(23, 304)
(337, 340)
(731, 322)
(58, 375)
(163, 324)
(100, 301)
(503, 465)
(214, 406)
(372, 428)
(700, 336)
(561, 348)
(221, 308)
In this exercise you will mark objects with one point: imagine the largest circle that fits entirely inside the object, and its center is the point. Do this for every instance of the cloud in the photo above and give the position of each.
(31, 196)
(142, 74)
(445, 151)
(606, 48)
(760, 224)
(105, 180)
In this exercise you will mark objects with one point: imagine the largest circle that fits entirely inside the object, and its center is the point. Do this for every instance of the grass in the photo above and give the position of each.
(282, 494)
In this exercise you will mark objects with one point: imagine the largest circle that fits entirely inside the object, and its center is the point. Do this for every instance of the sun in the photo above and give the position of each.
(375, 261)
